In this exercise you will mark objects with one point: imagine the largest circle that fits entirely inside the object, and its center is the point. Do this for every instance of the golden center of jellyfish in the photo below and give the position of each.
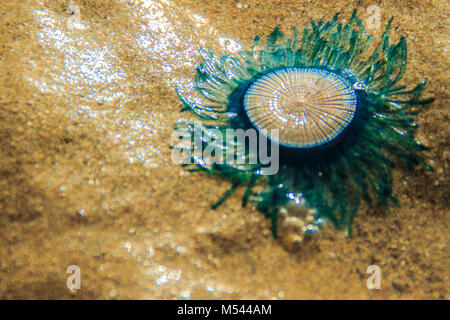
(308, 106)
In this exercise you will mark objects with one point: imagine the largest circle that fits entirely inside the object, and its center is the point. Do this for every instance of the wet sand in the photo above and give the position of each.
(87, 109)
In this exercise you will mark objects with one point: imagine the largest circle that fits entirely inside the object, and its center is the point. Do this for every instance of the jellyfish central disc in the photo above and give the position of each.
(308, 106)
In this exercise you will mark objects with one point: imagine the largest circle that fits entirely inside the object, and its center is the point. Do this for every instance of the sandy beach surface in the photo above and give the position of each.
(87, 109)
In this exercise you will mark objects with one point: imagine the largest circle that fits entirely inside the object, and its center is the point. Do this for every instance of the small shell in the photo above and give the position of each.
(309, 106)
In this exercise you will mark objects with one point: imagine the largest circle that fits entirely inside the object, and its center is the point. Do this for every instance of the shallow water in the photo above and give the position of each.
(87, 110)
